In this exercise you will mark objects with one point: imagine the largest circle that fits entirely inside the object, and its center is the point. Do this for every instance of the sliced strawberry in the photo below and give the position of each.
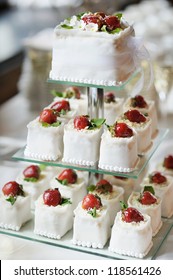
(100, 14)
(73, 91)
(123, 130)
(131, 214)
(48, 116)
(147, 198)
(32, 171)
(62, 105)
(157, 178)
(168, 162)
(80, 122)
(138, 101)
(91, 201)
(103, 186)
(135, 116)
(93, 19)
(112, 22)
(109, 97)
(12, 188)
(68, 175)
(52, 197)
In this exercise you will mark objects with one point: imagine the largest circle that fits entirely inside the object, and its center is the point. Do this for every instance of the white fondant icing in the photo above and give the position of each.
(112, 110)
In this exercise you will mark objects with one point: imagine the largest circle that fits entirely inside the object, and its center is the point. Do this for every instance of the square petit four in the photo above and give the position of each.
(112, 107)
(118, 148)
(166, 166)
(82, 140)
(53, 215)
(91, 223)
(131, 233)
(14, 206)
(110, 196)
(70, 184)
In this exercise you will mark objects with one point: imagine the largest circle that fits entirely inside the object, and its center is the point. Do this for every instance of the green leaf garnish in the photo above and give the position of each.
(91, 188)
(149, 189)
(55, 124)
(56, 93)
(11, 199)
(96, 123)
(79, 16)
(93, 212)
(104, 28)
(31, 179)
(65, 201)
(66, 26)
(42, 167)
(123, 205)
(119, 15)
(63, 182)
(63, 112)
(116, 30)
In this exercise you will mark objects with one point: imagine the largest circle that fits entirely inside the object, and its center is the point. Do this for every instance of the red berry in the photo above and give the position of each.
(103, 186)
(69, 175)
(100, 14)
(123, 130)
(74, 91)
(52, 197)
(112, 22)
(157, 178)
(80, 122)
(135, 116)
(109, 97)
(12, 188)
(131, 214)
(93, 19)
(32, 171)
(61, 105)
(168, 162)
(138, 101)
(90, 201)
(48, 116)
(147, 198)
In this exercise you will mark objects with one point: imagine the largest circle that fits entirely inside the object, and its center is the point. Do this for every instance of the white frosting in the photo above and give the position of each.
(165, 192)
(112, 110)
(153, 210)
(14, 216)
(112, 201)
(44, 143)
(81, 146)
(117, 153)
(52, 222)
(131, 239)
(89, 231)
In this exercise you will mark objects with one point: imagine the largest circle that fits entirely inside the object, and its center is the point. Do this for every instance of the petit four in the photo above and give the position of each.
(112, 107)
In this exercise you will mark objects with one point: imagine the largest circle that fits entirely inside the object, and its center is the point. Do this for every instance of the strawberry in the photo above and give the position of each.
(80, 122)
(32, 171)
(91, 201)
(157, 178)
(62, 105)
(131, 214)
(73, 91)
(168, 162)
(103, 186)
(52, 197)
(100, 14)
(93, 19)
(138, 101)
(135, 116)
(69, 176)
(123, 130)
(109, 97)
(112, 22)
(147, 198)
(48, 116)
(12, 188)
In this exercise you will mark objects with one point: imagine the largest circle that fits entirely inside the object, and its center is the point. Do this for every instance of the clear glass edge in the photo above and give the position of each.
(19, 155)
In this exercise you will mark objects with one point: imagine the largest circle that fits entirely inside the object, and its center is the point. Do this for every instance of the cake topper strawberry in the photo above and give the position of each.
(168, 162)
(91, 203)
(93, 18)
(67, 176)
(135, 116)
(102, 187)
(83, 122)
(52, 197)
(131, 214)
(157, 178)
(48, 116)
(61, 107)
(112, 23)
(138, 101)
(109, 97)
(148, 197)
(123, 130)
(32, 173)
(12, 189)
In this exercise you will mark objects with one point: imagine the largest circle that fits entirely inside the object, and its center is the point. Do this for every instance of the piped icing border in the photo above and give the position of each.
(118, 168)
(10, 226)
(47, 234)
(79, 162)
(27, 153)
(87, 244)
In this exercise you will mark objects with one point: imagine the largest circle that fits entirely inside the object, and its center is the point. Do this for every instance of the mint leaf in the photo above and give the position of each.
(56, 93)
(96, 123)
(42, 167)
(104, 28)
(66, 26)
(119, 15)
(63, 182)
(123, 205)
(93, 212)
(63, 112)
(91, 188)
(11, 199)
(65, 201)
(149, 189)
(55, 124)
(31, 179)
(116, 30)
(79, 16)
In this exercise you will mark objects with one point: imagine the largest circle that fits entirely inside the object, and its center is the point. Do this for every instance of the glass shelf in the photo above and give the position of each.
(27, 233)
(143, 160)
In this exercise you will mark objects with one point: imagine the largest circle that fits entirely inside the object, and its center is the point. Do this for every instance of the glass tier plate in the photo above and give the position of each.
(143, 160)
(26, 232)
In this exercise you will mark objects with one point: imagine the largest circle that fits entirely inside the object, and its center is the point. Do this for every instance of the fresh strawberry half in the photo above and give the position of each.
(112, 22)
(93, 19)
(109, 97)
(52, 197)
(103, 187)
(168, 162)
(32, 171)
(61, 106)
(157, 178)
(100, 14)
(91, 201)
(73, 91)
(123, 130)
(68, 176)
(131, 214)
(139, 101)
(80, 122)
(135, 116)
(147, 198)
(48, 116)
(12, 188)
